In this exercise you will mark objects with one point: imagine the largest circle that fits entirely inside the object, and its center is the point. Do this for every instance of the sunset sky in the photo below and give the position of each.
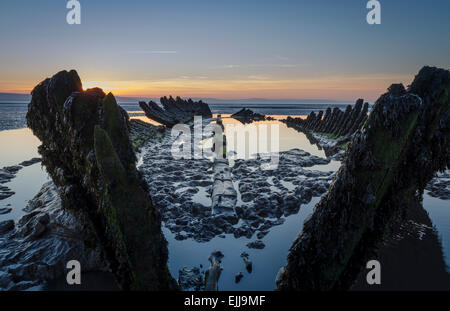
(225, 49)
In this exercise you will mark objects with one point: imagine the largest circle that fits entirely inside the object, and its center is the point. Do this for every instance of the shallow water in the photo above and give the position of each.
(439, 212)
(20, 145)
(12, 115)
(17, 146)
(266, 262)
(26, 185)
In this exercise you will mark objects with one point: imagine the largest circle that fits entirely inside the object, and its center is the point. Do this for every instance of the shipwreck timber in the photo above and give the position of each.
(88, 153)
(389, 161)
(174, 111)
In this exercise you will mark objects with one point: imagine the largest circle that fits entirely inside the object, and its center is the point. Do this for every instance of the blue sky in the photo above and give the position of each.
(228, 49)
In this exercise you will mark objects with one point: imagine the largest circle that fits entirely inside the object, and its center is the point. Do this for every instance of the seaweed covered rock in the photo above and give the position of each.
(87, 152)
(142, 132)
(404, 142)
(174, 111)
(36, 249)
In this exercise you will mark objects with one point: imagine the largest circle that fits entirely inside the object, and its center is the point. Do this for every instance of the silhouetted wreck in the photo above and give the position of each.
(336, 122)
(248, 116)
(175, 111)
(88, 153)
(387, 165)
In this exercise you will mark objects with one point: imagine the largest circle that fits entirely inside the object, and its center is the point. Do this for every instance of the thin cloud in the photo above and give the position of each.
(259, 77)
(153, 52)
(232, 66)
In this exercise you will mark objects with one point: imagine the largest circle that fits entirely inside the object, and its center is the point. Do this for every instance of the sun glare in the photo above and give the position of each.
(99, 84)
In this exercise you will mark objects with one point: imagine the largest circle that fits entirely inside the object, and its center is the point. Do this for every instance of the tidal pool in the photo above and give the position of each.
(19, 145)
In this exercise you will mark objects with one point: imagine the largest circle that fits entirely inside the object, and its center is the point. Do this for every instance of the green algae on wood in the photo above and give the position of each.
(88, 153)
(386, 167)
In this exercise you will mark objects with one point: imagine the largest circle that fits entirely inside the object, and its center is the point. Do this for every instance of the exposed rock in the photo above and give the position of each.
(5, 210)
(5, 192)
(6, 225)
(258, 244)
(174, 111)
(87, 152)
(38, 248)
(5, 176)
(30, 162)
(141, 133)
(238, 277)
(215, 269)
(190, 279)
(387, 166)
(248, 116)
(12, 169)
(248, 263)
(182, 189)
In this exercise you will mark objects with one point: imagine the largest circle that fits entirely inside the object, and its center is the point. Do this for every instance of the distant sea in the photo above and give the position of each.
(12, 114)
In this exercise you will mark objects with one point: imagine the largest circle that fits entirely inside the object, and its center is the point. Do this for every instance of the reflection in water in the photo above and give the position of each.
(17, 146)
(266, 262)
(26, 185)
(145, 119)
(439, 213)
(20, 145)
(288, 138)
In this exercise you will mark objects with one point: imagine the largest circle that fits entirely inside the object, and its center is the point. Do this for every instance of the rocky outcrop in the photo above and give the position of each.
(38, 248)
(87, 152)
(175, 111)
(248, 116)
(387, 166)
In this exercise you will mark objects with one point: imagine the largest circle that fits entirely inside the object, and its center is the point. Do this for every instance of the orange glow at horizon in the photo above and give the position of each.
(336, 88)
(369, 87)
